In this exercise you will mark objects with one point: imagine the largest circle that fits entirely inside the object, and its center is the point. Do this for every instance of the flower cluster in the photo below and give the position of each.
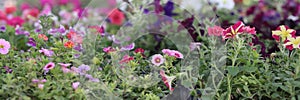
(288, 36)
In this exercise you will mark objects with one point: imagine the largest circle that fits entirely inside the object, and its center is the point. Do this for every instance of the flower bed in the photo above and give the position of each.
(149, 49)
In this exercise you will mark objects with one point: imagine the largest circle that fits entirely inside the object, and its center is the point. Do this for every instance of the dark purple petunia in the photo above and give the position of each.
(188, 24)
(31, 42)
(2, 28)
(158, 7)
(169, 7)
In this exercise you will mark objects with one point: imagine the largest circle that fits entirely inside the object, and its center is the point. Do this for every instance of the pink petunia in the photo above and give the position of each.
(173, 53)
(157, 60)
(249, 30)
(41, 86)
(167, 79)
(46, 52)
(49, 66)
(108, 49)
(4, 46)
(75, 85)
(126, 59)
(215, 31)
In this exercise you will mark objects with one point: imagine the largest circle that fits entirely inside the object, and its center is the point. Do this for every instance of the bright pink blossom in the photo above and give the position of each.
(4, 46)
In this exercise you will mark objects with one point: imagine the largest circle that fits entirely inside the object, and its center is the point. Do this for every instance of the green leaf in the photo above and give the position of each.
(233, 70)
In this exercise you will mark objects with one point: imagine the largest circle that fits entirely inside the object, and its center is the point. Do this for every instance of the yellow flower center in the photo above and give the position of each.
(157, 60)
(1, 46)
(285, 34)
(296, 42)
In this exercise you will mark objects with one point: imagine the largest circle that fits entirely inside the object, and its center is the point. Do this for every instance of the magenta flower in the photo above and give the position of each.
(157, 60)
(248, 29)
(4, 46)
(126, 59)
(47, 52)
(173, 53)
(108, 49)
(75, 85)
(233, 30)
(49, 66)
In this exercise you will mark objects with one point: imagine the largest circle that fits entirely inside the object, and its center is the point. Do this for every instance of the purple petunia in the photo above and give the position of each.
(31, 42)
(2, 28)
(47, 52)
(128, 47)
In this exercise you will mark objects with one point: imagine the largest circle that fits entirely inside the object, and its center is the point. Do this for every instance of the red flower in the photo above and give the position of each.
(15, 21)
(31, 13)
(139, 50)
(69, 44)
(126, 59)
(43, 36)
(70, 34)
(99, 29)
(2, 15)
(116, 17)
(232, 31)
(10, 10)
(167, 79)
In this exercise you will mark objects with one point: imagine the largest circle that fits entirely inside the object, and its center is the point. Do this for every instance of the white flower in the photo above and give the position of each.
(194, 5)
(157, 59)
(227, 4)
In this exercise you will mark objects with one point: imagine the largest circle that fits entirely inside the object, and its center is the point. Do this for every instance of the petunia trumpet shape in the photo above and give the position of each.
(292, 43)
(167, 79)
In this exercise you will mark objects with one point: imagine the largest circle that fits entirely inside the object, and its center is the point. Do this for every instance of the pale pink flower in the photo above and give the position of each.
(215, 31)
(157, 59)
(75, 85)
(41, 86)
(4, 46)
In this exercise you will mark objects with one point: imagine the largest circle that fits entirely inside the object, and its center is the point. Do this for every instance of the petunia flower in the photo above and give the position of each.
(128, 47)
(48, 67)
(283, 32)
(233, 30)
(69, 44)
(215, 31)
(194, 45)
(157, 59)
(126, 59)
(139, 50)
(7, 69)
(31, 42)
(116, 17)
(167, 79)
(173, 53)
(4, 46)
(43, 36)
(168, 8)
(248, 29)
(292, 43)
(3, 28)
(108, 49)
(41, 86)
(83, 68)
(46, 52)
(15, 21)
(75, 85)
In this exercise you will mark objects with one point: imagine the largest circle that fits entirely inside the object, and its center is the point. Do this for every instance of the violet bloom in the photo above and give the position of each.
(169, 7)
(47, 52)
(83, 68)
(19, 31)
(3, 28)
(31, 42)
(128, 47)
